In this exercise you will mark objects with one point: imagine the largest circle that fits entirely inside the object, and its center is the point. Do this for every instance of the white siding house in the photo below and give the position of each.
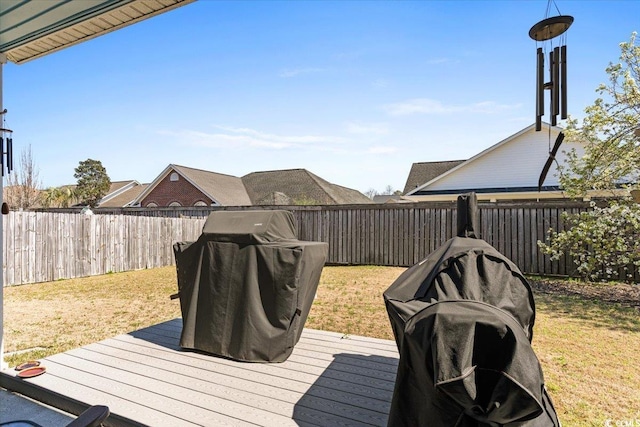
(509, 169)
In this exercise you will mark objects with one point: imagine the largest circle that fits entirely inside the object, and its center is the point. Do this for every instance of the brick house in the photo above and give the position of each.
(183, 186)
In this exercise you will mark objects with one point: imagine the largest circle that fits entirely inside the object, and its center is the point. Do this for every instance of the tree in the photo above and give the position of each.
(610, 131)
(58, 197)
(93, 182)
(605, 240)
(388, 191)
(371, 193)
(22, 184)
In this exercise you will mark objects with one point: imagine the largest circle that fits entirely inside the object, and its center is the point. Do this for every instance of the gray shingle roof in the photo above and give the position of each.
(345, 195)
(124, 199)
(117, 185)
(227, 190)
(423, 172)
(300, 186)
(386, 198)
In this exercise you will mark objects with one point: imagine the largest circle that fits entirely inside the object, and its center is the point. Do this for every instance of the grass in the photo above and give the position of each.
(589, 350)
(57, 316)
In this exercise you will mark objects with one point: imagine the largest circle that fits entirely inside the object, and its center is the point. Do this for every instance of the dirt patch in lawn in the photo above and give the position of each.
(618, 293)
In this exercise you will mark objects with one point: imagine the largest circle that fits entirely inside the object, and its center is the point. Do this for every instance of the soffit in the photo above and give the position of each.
(31, 29)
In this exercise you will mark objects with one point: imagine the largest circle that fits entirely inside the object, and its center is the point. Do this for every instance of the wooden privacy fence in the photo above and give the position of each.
(404, 235)
(44, 246)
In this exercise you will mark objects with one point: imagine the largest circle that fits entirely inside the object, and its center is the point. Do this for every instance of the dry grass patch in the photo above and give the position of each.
(349, 301)
(589, 350)
(57, 316)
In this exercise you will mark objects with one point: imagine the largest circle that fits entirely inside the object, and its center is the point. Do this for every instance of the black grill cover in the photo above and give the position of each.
(246, 285)
(463, 321)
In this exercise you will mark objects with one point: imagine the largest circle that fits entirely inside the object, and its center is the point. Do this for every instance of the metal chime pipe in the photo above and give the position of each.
(556, 82)
(563, 81)
(539, 88)
(3, 60)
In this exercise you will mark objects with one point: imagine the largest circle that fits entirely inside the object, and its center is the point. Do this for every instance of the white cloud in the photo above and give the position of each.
(287, 72)
(251, 138)
(413, 106)
(194, 137)
(432, 106)
(367, 128)
(490, 107)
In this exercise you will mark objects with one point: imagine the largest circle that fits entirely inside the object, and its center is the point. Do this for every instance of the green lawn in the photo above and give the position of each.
(589, 350)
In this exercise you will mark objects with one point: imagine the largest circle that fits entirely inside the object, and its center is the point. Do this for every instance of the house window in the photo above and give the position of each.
(152, 205)
(173, 177)
(199, 203)
(174, 204)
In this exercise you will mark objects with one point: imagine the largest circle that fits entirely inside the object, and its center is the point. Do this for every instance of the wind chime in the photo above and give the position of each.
(544, 33)
(6, 146)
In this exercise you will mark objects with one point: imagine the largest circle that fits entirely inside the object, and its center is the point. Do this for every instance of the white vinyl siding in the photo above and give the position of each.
(515, 163)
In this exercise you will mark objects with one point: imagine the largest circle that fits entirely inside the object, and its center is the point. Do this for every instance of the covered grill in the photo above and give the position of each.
(463, 320)
(246, 285)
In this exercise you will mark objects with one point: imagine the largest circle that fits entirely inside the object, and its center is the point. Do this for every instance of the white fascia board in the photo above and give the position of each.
(120, 190)
(482, 154)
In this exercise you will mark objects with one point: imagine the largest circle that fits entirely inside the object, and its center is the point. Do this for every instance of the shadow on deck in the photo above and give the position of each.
(146, 379)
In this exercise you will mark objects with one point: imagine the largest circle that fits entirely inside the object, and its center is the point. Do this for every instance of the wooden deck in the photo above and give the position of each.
(146, 379)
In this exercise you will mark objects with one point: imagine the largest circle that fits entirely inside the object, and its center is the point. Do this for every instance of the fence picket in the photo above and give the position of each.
(46, 246)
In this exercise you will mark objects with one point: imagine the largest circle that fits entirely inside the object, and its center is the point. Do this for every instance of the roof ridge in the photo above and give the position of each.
(321, 182)
(275, 170)
(202, 170)
(123, 180)
(440, 161)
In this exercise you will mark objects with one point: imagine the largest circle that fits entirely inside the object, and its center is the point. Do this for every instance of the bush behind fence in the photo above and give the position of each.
(46, 246)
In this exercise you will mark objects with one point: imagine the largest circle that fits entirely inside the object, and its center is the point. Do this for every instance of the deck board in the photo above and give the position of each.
(146, 379)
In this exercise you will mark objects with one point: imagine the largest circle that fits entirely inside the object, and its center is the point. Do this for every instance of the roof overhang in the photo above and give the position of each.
(546, 126)
(491, 197)
(518, 195)
(31, 29)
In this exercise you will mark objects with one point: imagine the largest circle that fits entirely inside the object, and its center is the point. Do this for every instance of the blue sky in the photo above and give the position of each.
(352, 91)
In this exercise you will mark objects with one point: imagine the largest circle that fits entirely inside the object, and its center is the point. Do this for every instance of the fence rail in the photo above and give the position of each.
(46, 246)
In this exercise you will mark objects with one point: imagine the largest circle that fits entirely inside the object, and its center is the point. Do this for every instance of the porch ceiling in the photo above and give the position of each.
(31, 29)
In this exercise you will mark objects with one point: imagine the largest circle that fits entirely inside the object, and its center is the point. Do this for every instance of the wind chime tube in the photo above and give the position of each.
(9, 155)
(556, 84)
(563, 81)
(552, 112)
(539, 88)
